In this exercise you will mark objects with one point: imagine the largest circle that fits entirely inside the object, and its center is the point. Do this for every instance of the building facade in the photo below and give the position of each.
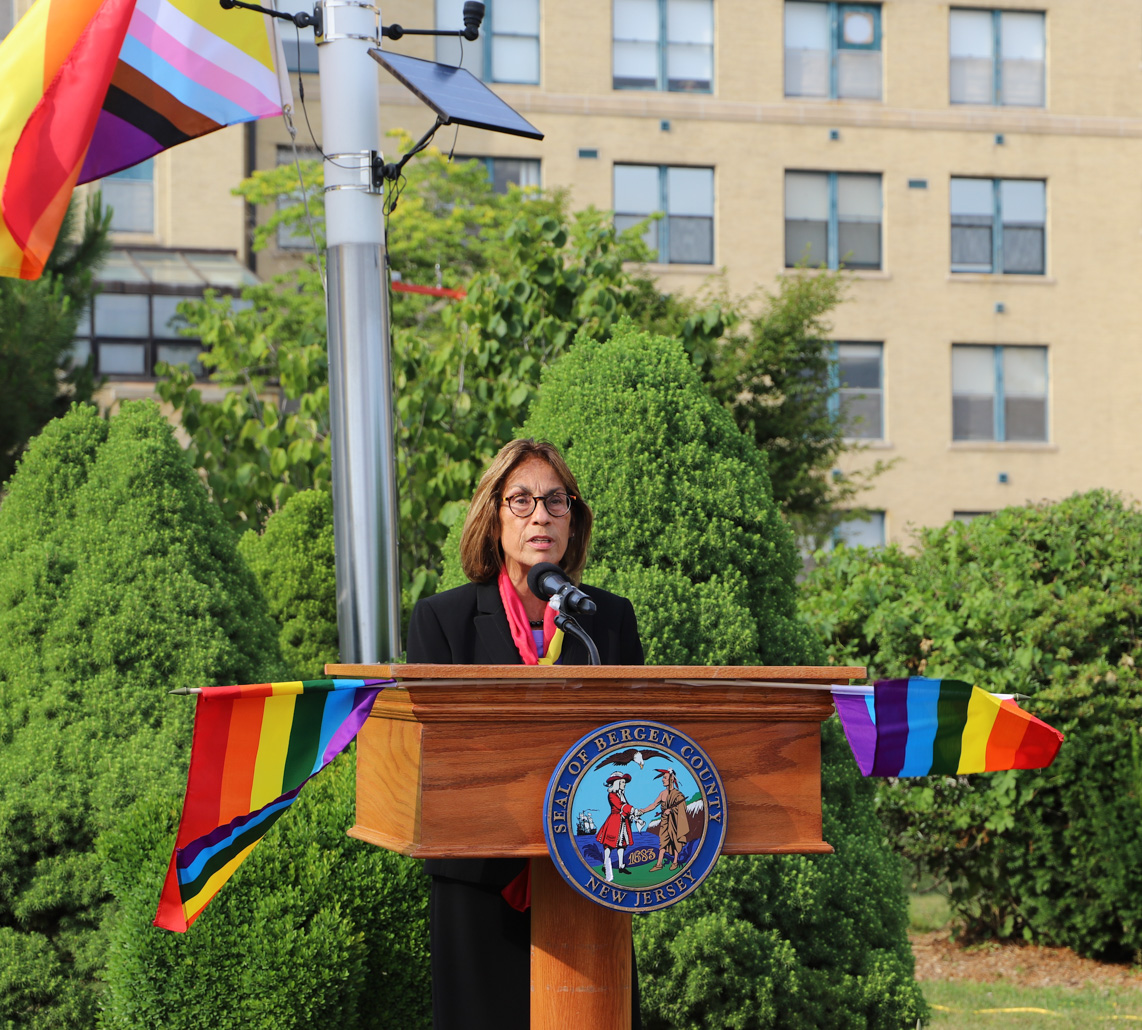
(975, 167)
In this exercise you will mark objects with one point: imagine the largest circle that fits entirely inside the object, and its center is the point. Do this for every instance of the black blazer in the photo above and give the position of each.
(468, 626)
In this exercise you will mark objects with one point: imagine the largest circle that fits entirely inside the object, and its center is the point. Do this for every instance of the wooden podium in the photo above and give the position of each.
(486, 742)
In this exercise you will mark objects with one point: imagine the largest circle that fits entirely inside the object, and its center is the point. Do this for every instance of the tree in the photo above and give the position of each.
(314, 924)
(687, 527)
(445, 218)
(118, 581)
(686, 513)
(38, 320)
(465, 372)
(268, 437)
(774, 373)
(1040, 600)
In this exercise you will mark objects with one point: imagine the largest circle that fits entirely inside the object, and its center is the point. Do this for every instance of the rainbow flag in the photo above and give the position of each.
(254, 748)
(917, 726)
(94, 86)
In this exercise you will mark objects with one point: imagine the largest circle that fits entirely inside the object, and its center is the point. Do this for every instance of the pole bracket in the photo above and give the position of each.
(361, 162)
(344, 11)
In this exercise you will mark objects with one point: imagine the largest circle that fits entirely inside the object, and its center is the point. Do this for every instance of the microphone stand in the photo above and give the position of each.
(564, 622)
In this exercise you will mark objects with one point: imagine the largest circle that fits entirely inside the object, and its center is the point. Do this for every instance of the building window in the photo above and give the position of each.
(999, 225)
(664, 44)
(866, 531)
(968, 517)
(858, 391)
(508, 47)
(134, 322)
(997, 57)
(685, 235)
(299, 45)
(832, 219)
(131, 196)
(507, 171)
(999, 393)
(294, 237)
(832, 50)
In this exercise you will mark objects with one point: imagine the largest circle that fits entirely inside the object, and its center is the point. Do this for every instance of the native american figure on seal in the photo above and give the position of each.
(616, 832)
(674, 828)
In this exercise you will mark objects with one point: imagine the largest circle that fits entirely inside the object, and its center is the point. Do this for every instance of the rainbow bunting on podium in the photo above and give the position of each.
(254, 748)
(917, 726)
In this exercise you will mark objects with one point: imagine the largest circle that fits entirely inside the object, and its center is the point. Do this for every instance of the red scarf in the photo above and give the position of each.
(519, 624)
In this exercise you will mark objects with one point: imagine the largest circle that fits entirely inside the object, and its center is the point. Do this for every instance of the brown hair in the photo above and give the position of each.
(481, 554)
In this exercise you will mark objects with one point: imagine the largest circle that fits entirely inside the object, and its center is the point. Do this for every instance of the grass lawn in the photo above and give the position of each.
(928, 911)
(966, 1004)
(973, 1006)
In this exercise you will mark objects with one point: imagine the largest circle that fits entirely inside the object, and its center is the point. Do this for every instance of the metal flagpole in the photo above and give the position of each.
(360, 361)
(361, 413)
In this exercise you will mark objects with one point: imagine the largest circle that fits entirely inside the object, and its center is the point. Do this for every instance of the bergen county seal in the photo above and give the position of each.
(635, 816)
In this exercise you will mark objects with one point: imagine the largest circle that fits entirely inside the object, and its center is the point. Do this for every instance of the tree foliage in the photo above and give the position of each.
(775, 374)
(118, 581)
(446, 220)
(292, 560)
(38, 319)
(465, 372)
(268, 437)
(1042, 600)
(315, 928)
(687, 526)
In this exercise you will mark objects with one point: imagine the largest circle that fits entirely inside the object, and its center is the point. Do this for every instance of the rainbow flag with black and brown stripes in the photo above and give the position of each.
(918, 726)
(91, 87)
(254, 748)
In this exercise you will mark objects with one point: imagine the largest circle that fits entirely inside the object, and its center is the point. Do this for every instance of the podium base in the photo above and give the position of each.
(580, 957)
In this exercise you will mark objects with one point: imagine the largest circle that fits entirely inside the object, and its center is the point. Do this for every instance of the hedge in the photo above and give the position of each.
(1043, 600)
(293, 562)
(315, 928)
(118, 582)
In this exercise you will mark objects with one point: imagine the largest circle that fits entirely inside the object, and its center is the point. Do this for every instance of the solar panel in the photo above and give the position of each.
(455, 94)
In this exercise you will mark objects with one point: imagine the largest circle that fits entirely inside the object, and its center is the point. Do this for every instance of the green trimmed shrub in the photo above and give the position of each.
(800, 942)
(1041, 600)
(118, 582)
(314, 929)
(293, 562)
(687, 529)
(687, 526)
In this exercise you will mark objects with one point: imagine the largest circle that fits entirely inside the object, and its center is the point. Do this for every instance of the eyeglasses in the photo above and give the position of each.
(557, 504)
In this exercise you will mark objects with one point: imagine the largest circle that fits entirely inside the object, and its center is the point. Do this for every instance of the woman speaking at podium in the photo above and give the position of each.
(526, 510)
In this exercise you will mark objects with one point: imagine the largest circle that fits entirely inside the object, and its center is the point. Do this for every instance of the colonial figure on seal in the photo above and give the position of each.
(616, 832)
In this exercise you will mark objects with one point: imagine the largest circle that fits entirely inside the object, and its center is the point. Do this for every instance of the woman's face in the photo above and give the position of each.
(537, 537)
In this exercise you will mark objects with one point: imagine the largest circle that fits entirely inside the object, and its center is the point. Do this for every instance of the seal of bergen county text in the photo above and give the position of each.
(635, 816)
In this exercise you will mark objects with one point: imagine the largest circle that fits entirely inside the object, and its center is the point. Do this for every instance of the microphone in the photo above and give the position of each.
(550, 583)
